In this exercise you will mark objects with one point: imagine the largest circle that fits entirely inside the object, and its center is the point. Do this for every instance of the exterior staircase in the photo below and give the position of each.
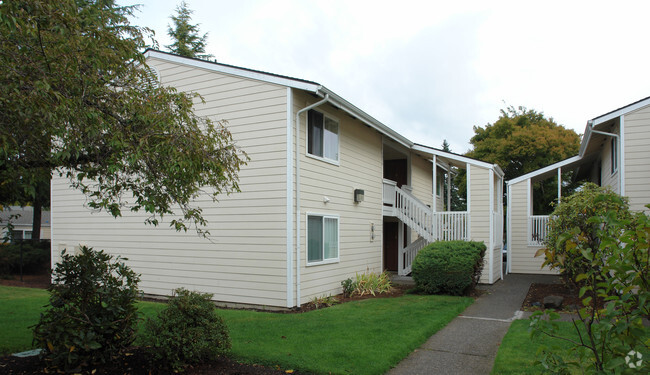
(429, 225)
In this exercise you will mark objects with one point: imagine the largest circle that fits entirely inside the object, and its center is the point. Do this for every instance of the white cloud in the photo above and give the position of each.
(434, 69)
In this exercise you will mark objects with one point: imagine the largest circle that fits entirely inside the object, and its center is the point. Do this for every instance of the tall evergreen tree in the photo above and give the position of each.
(188, 41)
(458, 201)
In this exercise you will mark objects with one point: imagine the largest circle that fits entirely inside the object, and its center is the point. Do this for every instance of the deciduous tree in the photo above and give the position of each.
(523, 140)
(77, 99)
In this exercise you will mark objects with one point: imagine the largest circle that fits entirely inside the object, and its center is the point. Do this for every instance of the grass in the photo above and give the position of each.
(19, 309)
(518, 351)
(360, 337)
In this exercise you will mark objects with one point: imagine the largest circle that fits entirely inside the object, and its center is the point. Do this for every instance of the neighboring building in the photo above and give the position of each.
(614, 152)
(21, 218)
(325, 196)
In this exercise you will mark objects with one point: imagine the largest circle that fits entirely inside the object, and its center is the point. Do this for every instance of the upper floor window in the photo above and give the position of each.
(614, 156)
(322, 136)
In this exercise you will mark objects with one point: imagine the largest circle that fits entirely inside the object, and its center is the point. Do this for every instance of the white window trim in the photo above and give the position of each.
(338, 239)
(338, 134)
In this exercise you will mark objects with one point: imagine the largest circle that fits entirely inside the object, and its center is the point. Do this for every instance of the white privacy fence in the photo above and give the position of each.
(537, 229)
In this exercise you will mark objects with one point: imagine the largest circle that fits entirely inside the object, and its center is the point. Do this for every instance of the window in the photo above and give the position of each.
(440, 183)
(614, 156)
(322, 239)
(323, 136)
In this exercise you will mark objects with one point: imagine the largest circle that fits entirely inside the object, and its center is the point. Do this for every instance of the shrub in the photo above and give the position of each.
(91, 314)
(348, 287)
(612, 264)
(187, 331)
(575, 220)
(324, 301)
(35, 256)
(448, 267)
(371, 283)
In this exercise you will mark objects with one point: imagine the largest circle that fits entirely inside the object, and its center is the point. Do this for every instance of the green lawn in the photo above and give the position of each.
(518, 352)
(362, 337)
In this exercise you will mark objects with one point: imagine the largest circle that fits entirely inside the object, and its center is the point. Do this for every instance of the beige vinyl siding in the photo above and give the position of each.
(359, 167)
(480, 212)
(421, 179)
(522, 256)
(244, 260)
(637, 155)
(421, 182)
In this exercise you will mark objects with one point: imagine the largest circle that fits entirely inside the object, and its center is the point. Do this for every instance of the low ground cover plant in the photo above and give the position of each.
(187, 331)
(91, 315)
(367, 283)
(448, 267)
(602, 247)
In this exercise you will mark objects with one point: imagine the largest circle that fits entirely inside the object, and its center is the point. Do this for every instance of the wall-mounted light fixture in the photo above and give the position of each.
(358, 195)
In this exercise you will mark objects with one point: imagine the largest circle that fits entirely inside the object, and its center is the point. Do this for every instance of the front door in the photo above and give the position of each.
(391, 243)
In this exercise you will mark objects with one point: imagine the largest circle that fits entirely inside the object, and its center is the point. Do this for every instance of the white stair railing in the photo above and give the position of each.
(414, 213)
(409, 253)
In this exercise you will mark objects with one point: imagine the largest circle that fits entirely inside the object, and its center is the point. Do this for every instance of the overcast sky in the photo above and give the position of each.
(432, 70)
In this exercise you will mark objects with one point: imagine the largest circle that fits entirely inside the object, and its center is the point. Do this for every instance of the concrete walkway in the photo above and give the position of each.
(469, 343)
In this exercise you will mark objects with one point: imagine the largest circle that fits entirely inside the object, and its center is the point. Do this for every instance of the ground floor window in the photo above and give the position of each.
(322, 238)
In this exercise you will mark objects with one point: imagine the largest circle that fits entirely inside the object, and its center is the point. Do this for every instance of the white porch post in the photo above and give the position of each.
(400, 248)
(448, 187)
(559, 184)
(435, 184)
(434, 208)
(468, 185)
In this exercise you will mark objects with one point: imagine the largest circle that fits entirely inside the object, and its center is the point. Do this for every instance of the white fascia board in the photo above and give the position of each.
(609, 116)
(547, 169)
(288, 82)
(459, 158)
(620, 112)
(216, 67)
(352, 110)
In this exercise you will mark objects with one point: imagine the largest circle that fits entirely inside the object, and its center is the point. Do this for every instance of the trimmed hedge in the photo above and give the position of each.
(448, 267)
(36, 257)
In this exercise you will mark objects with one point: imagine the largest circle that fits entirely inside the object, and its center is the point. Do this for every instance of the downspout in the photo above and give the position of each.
(298, 127)
(289, 215)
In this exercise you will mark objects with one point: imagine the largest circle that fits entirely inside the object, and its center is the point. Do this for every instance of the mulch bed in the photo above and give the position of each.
(135, 361)
(537, 292)
(29, 281)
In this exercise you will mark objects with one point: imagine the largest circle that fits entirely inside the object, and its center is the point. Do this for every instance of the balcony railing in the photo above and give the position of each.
(537, 229)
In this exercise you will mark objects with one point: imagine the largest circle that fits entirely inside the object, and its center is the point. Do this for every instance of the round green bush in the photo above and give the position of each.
(187, 331)
(448, 267)
(92, 314)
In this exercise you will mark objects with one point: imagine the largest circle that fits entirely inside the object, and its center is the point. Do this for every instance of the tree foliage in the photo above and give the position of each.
(77, 98)
(187, 40)
(599, 245)
(523, 140)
